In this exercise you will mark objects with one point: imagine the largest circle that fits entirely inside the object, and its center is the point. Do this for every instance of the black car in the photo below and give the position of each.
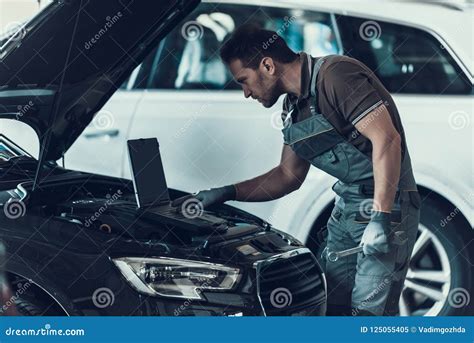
(76, 243)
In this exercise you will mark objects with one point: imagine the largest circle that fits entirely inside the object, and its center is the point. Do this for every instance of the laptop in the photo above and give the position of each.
(151, 190)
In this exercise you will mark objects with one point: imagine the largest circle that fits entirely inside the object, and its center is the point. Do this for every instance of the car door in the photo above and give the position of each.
(209, 133)
(101, 147)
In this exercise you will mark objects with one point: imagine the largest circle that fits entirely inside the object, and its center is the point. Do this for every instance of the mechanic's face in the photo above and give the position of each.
(261, 84)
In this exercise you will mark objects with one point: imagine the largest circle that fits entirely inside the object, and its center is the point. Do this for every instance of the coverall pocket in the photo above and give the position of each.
(364, 218)
(311, 136)
(358, 227)
(361, 218)
(399, 244)
(333, 161)
(377, 265)
(336, 214)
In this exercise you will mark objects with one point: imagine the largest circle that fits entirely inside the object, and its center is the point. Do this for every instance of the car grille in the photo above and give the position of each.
(291, 285)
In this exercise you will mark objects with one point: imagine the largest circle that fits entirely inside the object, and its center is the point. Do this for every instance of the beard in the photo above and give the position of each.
(272, 93)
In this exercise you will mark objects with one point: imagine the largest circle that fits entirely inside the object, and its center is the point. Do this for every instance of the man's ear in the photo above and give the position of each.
(267, 65)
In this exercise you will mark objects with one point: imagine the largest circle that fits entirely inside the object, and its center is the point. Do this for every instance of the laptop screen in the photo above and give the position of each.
(147, 172)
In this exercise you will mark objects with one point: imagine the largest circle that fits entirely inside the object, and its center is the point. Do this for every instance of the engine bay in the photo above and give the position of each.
(108, 205)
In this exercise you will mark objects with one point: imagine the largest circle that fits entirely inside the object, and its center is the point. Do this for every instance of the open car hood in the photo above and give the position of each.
(62, 67)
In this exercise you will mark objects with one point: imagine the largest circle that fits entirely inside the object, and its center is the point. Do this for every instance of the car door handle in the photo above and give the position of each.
(102, 133)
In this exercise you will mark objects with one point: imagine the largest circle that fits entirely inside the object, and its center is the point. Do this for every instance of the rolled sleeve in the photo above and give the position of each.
(349, 90)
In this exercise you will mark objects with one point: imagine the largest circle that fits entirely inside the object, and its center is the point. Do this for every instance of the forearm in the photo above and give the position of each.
(269, 186)
(386, 159)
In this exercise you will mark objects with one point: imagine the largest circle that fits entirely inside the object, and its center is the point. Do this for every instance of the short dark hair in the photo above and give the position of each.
(250, 43)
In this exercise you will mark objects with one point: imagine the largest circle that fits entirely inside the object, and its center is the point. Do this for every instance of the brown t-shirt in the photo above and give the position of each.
(347, 91)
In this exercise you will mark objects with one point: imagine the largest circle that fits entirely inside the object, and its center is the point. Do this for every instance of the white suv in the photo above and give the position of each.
(210, 135)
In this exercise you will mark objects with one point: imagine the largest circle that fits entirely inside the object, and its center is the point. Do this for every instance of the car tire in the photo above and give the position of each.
(26, 308)
(30, 300)
(442, 250)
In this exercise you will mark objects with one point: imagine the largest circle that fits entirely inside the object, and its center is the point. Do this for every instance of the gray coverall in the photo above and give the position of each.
(357, 284)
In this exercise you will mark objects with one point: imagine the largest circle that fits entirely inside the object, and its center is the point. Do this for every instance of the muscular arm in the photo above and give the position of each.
(386, 155)
(281, 180)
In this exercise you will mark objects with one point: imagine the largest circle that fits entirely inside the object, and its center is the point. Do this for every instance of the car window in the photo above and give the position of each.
(189, 56)
(407, 60)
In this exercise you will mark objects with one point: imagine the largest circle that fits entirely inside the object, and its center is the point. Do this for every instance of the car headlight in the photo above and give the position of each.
(176, 278)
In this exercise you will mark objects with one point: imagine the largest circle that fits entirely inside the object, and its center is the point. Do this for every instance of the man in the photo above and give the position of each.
(339, 118)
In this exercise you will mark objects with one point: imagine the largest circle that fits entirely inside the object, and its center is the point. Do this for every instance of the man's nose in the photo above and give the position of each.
(247, 93)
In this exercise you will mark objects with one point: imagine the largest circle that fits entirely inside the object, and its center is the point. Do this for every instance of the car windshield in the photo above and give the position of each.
(15, 18)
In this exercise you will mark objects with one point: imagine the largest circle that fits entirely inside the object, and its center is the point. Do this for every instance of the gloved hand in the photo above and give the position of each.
(375, 236)
(210, 196)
